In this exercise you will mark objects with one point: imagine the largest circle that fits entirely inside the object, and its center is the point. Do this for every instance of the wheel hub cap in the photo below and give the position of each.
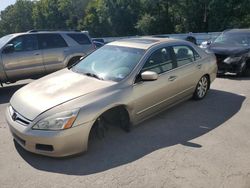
(202, 87)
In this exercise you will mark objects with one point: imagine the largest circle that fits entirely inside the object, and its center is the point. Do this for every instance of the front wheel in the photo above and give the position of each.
(201, 88)
(243, 69)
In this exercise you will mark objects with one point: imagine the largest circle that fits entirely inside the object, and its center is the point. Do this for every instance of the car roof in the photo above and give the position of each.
(49, 32)
(74, 32)
(144, 42)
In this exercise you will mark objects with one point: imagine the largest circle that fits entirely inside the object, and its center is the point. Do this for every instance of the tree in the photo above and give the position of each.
(145, 24)
(17, 17)
(126, 17)
(159, 15)
(112, 17)
(72, 11)
(46, 15)
(123, 15)
(228, 14)
(58, 14)
(96, 19)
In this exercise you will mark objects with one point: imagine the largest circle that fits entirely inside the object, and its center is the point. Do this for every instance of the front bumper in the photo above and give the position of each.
(234, 67)
(51, 143)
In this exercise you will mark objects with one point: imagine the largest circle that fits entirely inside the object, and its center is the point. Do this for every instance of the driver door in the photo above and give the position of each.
(153, 96)
(25, 61)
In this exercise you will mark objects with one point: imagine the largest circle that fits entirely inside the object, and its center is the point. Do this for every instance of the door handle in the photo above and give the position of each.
(199, 66)
(172, 78)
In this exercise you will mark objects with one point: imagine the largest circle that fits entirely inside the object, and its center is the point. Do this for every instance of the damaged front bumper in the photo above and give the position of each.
(226, 65)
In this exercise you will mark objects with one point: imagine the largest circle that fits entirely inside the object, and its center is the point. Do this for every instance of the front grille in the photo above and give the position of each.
(15, 116)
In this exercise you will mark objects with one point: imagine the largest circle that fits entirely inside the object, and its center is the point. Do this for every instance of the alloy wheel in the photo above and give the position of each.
(202, 87)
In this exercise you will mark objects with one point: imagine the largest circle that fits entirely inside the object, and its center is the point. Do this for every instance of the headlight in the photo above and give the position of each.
(230, 60)
(58, 121)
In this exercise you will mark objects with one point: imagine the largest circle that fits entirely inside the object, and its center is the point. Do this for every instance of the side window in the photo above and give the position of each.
(184, 55)
(80, 38)
(25, 43)
(196, 55)
(160, 61)
(48, 41)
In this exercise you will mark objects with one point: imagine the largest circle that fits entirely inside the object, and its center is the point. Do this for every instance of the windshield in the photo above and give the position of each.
(110, 62)
(4, 40)
(238, 39)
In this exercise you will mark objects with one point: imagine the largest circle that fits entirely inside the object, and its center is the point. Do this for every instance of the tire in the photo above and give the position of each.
(201, 88)
(243, 70)
(116, 116)
(124, 121)
(73, 61)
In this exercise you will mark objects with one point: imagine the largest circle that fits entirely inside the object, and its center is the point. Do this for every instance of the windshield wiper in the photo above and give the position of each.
(93, 75)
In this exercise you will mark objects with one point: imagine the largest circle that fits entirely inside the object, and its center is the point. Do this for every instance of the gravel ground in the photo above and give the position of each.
(195, 144)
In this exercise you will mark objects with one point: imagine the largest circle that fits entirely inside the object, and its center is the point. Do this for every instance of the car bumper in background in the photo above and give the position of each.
(232, 68)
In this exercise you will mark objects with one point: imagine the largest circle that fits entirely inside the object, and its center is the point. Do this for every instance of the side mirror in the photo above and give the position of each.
(9, 48)
(149, 76)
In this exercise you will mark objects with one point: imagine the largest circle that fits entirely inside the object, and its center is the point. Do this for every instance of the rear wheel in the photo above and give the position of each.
(201, 88)
(73, 61)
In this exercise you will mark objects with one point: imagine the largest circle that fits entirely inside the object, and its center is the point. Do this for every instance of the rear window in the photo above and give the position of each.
(47, 41)
(184, 55)
(80, 38)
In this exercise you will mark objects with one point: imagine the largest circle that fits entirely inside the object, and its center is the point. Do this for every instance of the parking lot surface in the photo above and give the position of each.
(195, 144)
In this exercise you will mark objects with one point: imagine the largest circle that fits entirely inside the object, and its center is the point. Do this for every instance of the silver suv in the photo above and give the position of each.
(37, 53)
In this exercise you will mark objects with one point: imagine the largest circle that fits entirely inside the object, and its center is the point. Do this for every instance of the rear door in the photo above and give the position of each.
(26, 60)
(54, 51)
(188, 71)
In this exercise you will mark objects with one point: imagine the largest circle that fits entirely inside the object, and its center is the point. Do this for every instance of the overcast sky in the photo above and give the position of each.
(5, 3)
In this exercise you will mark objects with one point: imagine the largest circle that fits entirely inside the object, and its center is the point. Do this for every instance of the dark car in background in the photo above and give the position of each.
(232, 49)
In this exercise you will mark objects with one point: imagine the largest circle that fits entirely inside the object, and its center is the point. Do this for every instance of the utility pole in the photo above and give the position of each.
(205, 19)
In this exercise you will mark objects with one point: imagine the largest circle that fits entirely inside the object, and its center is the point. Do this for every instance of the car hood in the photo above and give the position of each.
(52, 90)
(227, 49)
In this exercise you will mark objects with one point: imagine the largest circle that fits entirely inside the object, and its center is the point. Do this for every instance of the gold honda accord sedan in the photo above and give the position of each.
(121, 84)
